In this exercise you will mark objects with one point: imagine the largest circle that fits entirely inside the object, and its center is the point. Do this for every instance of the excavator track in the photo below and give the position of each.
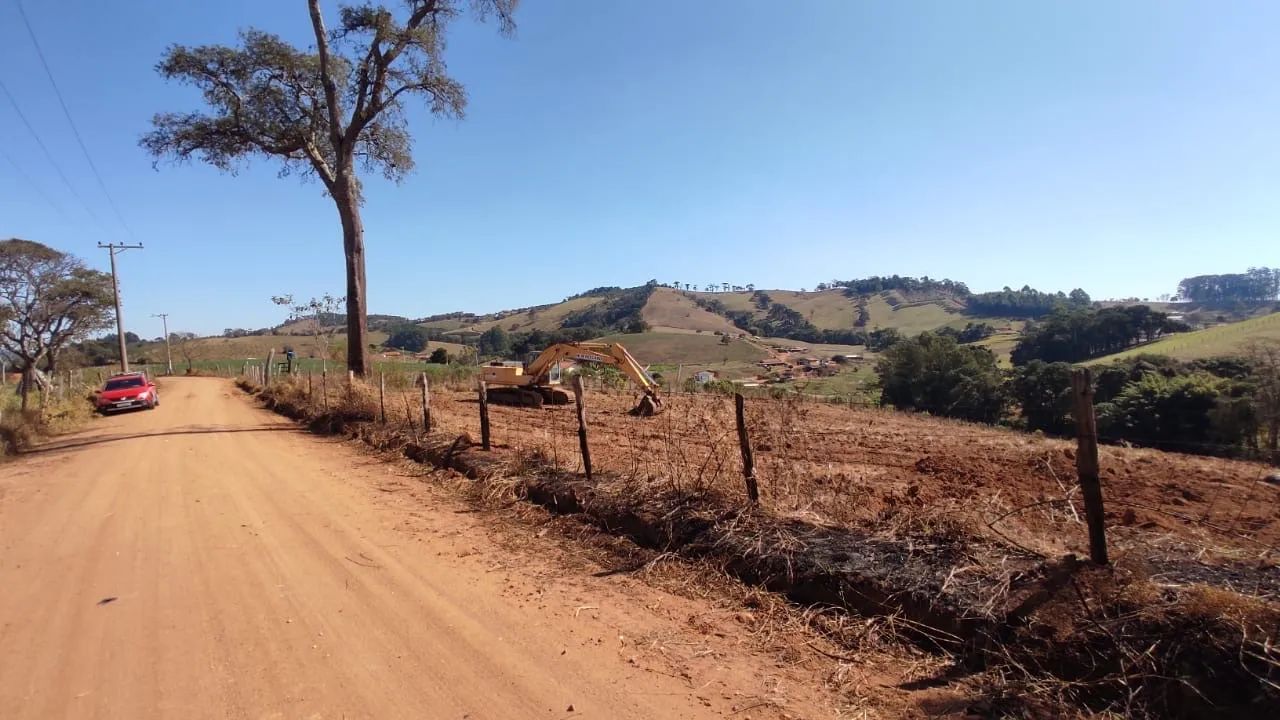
(555, 396)
(517, 397)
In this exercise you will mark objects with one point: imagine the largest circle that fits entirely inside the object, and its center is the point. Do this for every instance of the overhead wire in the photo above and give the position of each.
(48, 155)
(67, 113)
(26, 178)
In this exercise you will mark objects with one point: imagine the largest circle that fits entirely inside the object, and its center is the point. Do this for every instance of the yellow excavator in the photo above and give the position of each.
(532, 384)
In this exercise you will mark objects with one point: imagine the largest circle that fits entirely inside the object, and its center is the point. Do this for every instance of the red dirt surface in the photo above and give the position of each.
(890, 470)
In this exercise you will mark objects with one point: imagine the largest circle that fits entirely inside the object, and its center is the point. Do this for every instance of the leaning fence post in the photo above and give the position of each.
(1087, 463)
(426, 406)
(744, 443)
(484, 415)
(382, 395)
(579, 399)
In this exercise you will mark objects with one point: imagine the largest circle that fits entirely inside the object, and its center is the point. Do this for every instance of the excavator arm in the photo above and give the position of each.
(538, 372)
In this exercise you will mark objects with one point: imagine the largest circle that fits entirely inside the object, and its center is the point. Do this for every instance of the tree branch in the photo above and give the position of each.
(326, 78)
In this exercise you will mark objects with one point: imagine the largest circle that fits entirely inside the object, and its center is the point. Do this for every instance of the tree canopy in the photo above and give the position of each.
(412, 338)
(1075, 335)
(1026, 303)
(48, 299)
(1258, 285)
(934, 374)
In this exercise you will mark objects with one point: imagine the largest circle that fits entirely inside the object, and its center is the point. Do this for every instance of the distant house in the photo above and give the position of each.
(702, 377)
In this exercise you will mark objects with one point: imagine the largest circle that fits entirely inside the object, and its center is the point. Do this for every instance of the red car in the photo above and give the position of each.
(126, 391)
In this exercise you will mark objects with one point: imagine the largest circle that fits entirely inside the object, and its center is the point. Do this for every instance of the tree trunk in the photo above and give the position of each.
(28, 379)
(346, 197)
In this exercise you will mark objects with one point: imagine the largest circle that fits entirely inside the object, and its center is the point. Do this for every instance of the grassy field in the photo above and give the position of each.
(668, 310)
(674, 348)
(1228, 339)
(914, 319)
(213, 349)
(1002, 345)
(827, 310)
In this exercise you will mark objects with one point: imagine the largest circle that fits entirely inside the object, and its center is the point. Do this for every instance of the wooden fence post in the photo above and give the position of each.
(382, 395)
(579, 399)
(1087, 463)
(324, 388)
(426, 406)
(310, 389)
(266, 369)
(484, 415)
(744, 444)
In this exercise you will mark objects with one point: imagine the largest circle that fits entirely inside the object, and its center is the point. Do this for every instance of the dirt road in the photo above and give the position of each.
(207, 560)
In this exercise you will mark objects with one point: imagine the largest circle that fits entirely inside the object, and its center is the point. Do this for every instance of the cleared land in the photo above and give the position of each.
(879, 468)
(1217, 341)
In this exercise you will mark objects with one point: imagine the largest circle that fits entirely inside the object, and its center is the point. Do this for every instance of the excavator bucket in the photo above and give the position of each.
(649, 406)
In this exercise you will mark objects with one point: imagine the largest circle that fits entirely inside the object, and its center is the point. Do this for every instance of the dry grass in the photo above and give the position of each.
(62, 410)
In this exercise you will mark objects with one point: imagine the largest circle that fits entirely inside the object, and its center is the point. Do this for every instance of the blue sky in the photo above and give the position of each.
(1113, 146)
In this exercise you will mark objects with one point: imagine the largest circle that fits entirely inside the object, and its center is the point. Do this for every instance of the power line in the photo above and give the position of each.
(32, 183)
(66, 112)
(48, 155)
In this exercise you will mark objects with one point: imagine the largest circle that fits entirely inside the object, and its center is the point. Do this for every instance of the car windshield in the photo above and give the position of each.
(124, 383)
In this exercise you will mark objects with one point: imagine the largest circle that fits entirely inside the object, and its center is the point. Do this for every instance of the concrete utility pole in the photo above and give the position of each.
(112, 249)
(168, 356)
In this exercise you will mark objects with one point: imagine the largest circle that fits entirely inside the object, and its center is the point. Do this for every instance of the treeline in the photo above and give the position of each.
(1258, 285)
(620, 312)
(1210, 407)
(496, 342)
(1025, 303)
(875, 284)
(462, 316)
(1228, 407)
(596, 292)
(1075, 335)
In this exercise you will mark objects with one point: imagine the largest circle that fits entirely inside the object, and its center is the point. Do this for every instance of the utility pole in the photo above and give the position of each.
(168, 356)
(112, 249)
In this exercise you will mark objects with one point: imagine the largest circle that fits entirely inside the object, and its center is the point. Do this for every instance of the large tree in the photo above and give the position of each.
(47, 300)
(321, 111)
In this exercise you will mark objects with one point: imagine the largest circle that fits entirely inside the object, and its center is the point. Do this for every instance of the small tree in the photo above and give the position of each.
(439, 356)
(186, 347)
(48, 299)
(495, 341)
(936, 375)
(1264, 361)
(320, 112)
(312, 316)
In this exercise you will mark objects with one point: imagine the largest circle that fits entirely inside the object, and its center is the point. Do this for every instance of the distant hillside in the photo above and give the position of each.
(305, 326)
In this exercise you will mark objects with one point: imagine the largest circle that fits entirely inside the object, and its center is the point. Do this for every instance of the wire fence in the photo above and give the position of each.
(882, 470)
